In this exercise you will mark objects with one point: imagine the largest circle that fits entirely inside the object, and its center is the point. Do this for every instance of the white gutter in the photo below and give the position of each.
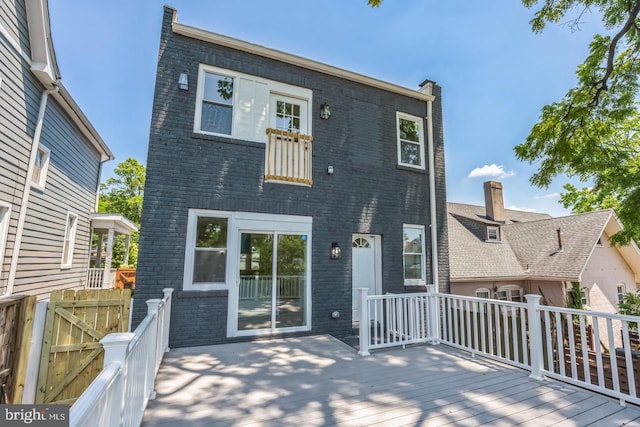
(27, 190)
(428, 88)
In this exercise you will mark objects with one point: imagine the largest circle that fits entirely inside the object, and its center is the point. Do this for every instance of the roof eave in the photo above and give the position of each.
(230, 42)
(45, 68)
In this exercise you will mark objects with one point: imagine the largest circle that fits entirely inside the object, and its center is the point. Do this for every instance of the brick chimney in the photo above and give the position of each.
(493, 201)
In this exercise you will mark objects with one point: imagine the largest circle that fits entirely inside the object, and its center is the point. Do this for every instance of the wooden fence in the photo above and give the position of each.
(72, 356)
(16, 324)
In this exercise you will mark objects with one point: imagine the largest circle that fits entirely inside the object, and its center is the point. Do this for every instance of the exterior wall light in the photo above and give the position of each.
(336, 252)
(183, 81)
(325, 111)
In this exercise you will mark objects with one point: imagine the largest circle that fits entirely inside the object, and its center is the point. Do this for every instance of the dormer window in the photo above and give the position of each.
(493, 234)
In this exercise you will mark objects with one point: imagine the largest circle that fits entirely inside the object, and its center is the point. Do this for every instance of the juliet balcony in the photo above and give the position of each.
(288, 157)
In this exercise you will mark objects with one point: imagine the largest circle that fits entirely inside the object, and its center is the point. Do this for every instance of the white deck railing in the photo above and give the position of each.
(119, 395)
(589, 349)
(256, 288)
(95, 278)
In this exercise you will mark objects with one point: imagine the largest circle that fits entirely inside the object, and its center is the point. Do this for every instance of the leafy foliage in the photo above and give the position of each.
(592, 132)
(574, 297)
(631, 306)
(123, 194)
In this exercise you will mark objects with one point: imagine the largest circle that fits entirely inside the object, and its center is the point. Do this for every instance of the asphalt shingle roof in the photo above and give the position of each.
(529, 246)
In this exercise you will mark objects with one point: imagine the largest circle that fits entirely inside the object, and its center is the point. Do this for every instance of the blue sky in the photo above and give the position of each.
(496, 74)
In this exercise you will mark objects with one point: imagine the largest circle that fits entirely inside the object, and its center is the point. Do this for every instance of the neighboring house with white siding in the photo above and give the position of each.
(50, 161)
(505, 254)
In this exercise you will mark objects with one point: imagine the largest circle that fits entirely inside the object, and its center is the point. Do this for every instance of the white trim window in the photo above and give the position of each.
(493, 233)
(69, 240)
(205, 266)
(5, 216)
(237, 105)
(410, 132)
(510, 293)
(413, 252)
(40, 168)
(584, 296)
(483, 293)
(621, 288)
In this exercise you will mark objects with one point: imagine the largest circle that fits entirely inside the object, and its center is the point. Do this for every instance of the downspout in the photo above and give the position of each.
(27, 189)
(428, 88)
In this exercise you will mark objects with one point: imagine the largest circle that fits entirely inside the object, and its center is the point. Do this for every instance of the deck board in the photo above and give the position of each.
(320, 381)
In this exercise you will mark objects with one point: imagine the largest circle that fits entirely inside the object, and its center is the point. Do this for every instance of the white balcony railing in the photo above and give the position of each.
(288, 157)
(95, 278)
(120, 393)
(589, 349)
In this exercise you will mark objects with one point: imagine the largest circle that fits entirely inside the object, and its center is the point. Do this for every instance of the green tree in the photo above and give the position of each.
(591, 133)
(123, 194)
(631, 306)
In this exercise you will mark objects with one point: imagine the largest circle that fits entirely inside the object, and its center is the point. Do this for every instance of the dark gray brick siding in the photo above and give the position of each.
(367, 193)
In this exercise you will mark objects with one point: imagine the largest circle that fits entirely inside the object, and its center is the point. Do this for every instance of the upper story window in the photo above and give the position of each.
(410, 141)
(40, 168)
(217, 104)
(413, 255)
(493, 234)
(69, 240)
(242, 106)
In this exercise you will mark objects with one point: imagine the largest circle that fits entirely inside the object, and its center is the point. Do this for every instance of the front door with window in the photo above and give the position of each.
(272, 280)
(366, 269)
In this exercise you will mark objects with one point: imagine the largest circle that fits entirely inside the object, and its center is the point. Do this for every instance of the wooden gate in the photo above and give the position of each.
(16, 321)
(72, 356)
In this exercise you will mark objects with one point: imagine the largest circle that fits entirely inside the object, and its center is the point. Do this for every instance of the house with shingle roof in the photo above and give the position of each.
(505, 254)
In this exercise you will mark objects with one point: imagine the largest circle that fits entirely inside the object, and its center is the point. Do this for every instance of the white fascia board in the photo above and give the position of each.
(219, 39)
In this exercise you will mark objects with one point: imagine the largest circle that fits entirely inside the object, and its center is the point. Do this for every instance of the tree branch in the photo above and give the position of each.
(601, 85)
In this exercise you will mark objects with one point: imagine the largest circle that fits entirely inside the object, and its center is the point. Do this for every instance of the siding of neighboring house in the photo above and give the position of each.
(367, 192)
(19, 102)
(70, 187)
(606, 267)
(72, 177)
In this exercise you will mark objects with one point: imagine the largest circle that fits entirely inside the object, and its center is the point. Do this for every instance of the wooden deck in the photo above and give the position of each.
(320, 381)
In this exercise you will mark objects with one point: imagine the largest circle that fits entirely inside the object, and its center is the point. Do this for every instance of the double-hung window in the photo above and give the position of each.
(621, 292)
(206, 253)
(69, 240)
(413, 255)
(410, 133)
(40, 168)
(217, 104)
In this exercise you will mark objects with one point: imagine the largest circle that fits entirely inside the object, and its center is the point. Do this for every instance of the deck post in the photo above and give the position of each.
(116, 347)
(167, 317)
(365, 326)
(154, 355)
(535, 336)
(433, 315)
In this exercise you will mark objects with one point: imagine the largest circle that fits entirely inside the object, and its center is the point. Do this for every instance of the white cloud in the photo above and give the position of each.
(491, 171)
(547, 196)
(517, 208)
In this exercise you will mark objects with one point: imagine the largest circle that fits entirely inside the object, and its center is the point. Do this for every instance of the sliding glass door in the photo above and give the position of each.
(272, 284)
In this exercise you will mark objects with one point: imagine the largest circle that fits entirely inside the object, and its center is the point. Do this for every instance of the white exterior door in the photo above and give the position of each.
(366, 268)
